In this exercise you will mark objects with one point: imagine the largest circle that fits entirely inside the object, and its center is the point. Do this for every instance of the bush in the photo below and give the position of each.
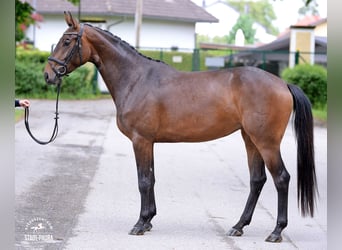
(312, 79)
(79, 82)
(30, 83)
(29, 80)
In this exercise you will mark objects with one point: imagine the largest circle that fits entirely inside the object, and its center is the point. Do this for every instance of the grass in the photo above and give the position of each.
(19, 114)
(320, 114)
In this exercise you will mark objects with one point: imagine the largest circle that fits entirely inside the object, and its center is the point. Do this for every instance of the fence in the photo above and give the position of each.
(204, 59)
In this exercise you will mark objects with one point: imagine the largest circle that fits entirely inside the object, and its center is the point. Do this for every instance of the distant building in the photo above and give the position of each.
(274, 56)
(166, 24)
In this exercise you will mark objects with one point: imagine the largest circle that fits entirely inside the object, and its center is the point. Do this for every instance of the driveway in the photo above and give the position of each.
(81, 191)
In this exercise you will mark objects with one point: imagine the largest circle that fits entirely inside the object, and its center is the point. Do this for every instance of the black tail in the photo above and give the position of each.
(303, 123)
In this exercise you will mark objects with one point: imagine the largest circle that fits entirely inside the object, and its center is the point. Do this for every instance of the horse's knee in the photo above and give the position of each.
(145, 184)
(257, 184)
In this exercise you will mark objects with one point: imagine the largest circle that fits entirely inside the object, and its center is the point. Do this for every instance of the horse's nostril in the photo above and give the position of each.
(46, 77)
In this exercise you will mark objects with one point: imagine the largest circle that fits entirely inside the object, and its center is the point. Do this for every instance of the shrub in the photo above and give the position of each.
(312, 79)
(29, 78)
(80, 82)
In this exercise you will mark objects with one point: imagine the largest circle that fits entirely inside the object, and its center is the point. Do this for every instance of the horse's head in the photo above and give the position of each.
(69, 52)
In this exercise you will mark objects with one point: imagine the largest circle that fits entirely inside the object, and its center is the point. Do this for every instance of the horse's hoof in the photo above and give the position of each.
(274, 238)
(140, 230)
(148, 226)
(235, 232)
(137, 231)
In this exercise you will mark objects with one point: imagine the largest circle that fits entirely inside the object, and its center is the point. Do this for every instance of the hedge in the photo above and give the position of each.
(312, 79)
(30, 83)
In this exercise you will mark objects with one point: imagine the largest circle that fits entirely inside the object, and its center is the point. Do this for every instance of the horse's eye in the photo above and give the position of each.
(67, 42)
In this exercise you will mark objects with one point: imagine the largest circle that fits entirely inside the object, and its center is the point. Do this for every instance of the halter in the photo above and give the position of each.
(62, 69)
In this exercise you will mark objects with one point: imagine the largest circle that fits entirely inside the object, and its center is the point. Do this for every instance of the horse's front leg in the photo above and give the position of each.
(143, 150)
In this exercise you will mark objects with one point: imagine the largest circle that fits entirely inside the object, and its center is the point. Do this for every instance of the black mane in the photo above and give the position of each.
(123, 42)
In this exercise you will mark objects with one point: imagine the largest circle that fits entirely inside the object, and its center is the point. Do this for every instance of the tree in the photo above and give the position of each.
(309, 8)
(260, 11)
(23, 18)
(245, 23)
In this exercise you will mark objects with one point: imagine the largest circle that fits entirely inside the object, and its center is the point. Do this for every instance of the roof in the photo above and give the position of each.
(307, 21)
(181, 10)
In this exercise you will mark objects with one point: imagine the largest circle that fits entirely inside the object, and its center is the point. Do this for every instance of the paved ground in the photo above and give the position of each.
(80, 192)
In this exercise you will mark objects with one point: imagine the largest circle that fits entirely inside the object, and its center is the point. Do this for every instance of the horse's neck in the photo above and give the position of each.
(115, 62)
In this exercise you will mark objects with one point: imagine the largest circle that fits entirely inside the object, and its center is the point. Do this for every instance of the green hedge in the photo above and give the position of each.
(312, 79)
(30, 83)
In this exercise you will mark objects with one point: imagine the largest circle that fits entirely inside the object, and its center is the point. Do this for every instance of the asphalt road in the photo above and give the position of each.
(81, 191)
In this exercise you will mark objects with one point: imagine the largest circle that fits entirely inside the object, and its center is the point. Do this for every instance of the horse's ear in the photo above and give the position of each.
(72, 22)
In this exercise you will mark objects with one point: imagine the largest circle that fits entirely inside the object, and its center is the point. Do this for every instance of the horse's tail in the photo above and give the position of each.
(303, 124)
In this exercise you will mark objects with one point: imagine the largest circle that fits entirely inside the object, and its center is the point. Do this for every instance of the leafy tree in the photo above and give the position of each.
(309, 7)
(260, 11)
(23, 18)
(245, 23)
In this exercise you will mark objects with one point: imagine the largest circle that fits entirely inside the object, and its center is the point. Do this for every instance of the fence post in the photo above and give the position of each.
(231, 58)
(196, 60)
(161, 55)
(297, 57)
(95, 82)
(264, 60)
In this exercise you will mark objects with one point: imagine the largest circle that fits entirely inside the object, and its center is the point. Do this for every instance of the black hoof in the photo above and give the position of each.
(137, 231)
(274, 238)
(148, 226)
(140, 230)
(235, 232)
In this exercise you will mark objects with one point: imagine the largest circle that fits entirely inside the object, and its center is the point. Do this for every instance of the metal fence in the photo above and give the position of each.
(204, 59)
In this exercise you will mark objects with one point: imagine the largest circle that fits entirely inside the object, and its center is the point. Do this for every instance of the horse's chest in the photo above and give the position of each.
(136, 123)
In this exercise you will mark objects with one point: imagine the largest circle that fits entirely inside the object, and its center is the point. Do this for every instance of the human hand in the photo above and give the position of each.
(24, 103)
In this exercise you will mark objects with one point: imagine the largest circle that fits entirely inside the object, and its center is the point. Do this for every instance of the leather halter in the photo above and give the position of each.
(62, 69)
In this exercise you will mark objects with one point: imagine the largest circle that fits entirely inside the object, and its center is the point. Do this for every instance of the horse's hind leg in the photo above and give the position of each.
(143, 150)
(281, 180)
(257, 181)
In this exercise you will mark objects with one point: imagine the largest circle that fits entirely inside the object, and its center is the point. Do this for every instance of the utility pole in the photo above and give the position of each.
(79, 11)
(138, 21)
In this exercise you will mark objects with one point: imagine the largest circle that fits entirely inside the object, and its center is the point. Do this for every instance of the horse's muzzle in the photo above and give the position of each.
(51, 80)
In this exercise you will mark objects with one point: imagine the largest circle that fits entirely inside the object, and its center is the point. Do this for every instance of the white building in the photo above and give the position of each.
(165, 23)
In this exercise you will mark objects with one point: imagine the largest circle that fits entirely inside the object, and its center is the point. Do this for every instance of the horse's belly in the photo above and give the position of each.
(196, 130)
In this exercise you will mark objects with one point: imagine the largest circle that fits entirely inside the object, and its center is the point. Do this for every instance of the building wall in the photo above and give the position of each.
(154, 33)
(303, 41)
(226, 15)
(322, 30)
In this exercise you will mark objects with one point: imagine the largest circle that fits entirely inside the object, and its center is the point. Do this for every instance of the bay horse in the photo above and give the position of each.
(156, 103)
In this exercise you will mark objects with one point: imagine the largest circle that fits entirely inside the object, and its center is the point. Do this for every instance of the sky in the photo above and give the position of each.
(286, 11)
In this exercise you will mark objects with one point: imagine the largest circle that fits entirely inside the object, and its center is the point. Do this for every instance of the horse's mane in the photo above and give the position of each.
(123, 42)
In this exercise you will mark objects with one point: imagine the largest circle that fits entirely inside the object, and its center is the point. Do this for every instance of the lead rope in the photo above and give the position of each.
(55, 130)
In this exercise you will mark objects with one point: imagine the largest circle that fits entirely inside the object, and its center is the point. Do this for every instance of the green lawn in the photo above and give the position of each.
(320, 115)
(19, 114)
